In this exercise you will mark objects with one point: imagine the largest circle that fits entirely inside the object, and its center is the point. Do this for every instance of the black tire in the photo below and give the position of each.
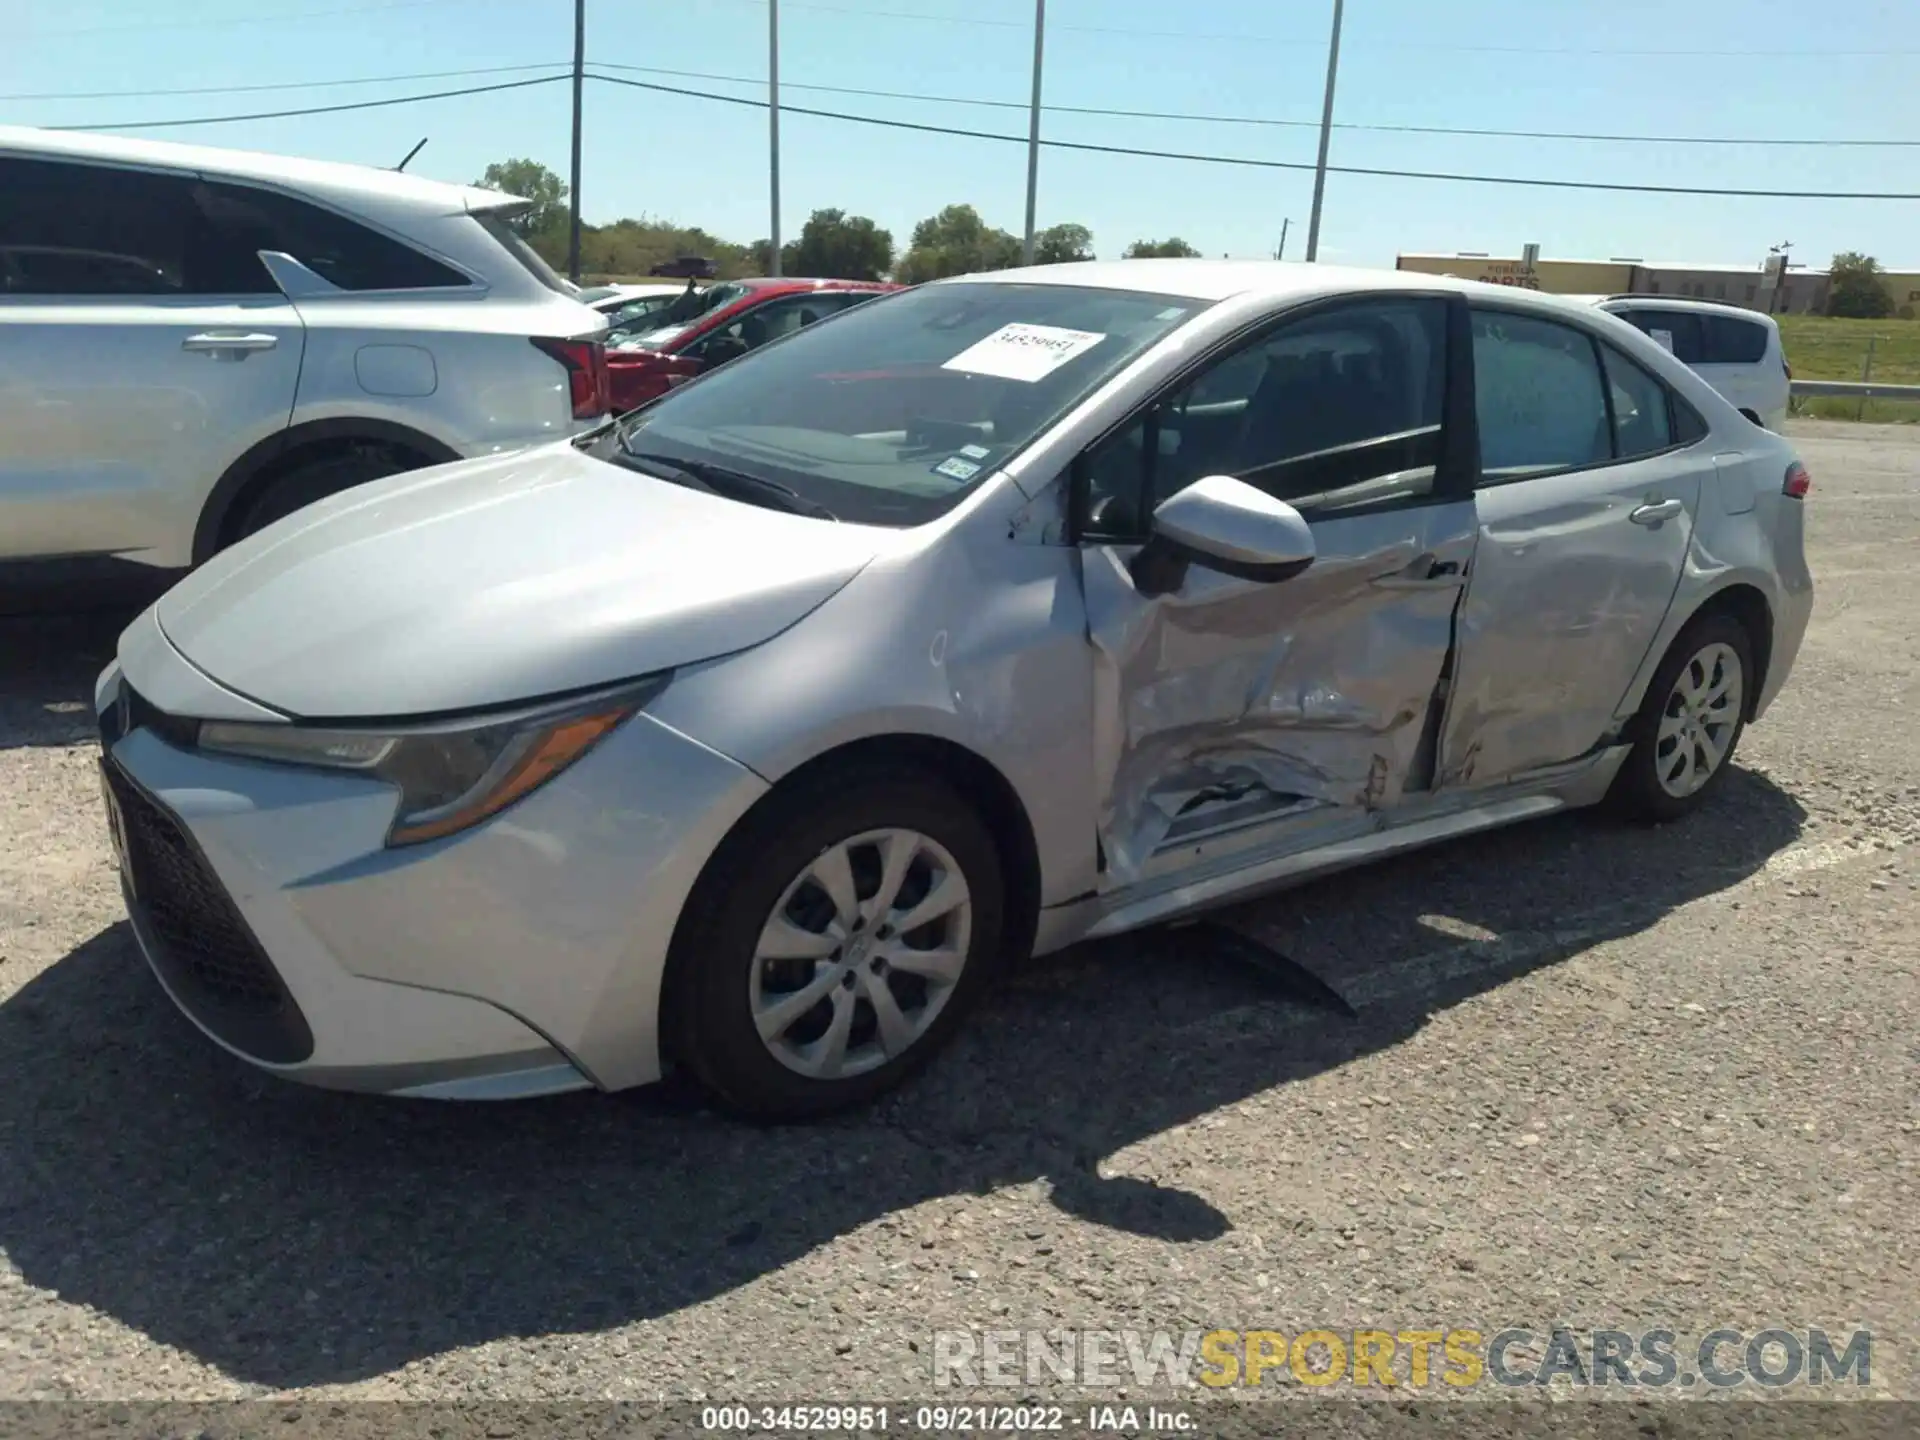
(1637, 792)
(314, 480)
(707, 1018)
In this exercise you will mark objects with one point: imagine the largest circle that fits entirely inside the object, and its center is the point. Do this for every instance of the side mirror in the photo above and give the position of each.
(723, 348)
(1226, 525)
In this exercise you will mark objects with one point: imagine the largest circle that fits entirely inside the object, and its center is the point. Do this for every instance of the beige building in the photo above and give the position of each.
(1803, 291)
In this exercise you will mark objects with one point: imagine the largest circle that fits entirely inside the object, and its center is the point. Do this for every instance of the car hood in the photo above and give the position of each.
(487, 582)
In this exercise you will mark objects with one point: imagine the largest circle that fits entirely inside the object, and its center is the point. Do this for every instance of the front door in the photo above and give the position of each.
(1230, 707)
(1590, 479)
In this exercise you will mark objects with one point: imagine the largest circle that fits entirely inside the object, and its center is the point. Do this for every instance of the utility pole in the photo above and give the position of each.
(1285, 225)
(1326, 134)
(1033, 127)
(579, 85)
(773, 135)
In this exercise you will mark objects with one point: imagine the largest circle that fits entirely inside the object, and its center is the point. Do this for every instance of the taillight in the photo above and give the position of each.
(1798, 482)
(586, 362)
(1786, 365)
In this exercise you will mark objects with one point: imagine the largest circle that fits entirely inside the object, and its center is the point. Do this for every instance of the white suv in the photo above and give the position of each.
(1736, 351)
(194, 342)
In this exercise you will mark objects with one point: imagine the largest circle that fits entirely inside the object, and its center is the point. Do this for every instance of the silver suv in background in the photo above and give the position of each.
(1735, 350)
(195, 342)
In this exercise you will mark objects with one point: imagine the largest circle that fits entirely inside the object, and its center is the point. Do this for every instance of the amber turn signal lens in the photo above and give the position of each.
(550, 752)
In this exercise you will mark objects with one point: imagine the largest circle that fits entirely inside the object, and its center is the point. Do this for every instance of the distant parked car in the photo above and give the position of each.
(756, 730)
(1735, 350)
(733, 318)
(194, 342)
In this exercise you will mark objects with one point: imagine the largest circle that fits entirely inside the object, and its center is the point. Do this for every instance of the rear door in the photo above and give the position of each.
(1590, 478)
(138, 359)
(1234, 709)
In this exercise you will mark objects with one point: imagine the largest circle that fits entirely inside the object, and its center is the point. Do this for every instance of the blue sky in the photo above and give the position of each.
(1500, 64)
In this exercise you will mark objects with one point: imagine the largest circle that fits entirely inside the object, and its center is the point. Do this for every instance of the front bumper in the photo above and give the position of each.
(523, 957)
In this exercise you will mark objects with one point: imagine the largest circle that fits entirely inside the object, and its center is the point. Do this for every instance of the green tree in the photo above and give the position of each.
(1856, 288)
(956, 242)
(1058, 244)
(834, 245)
(531, 181)
(1174, 249)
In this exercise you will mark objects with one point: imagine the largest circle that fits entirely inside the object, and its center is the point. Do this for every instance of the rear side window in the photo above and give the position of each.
(245, 221)
(1537, 390)
(1678, 330)
(1642, 422)
(91, 230)
(1732, 341)
(523, 254)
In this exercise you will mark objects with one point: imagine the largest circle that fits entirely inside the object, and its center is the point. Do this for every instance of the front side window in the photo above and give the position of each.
(1335, 409)
(907, 403)
(81, 230)
(1537, 391)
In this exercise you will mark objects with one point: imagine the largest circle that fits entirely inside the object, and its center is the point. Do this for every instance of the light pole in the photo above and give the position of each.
(773, 134)
(579, 79)
(1326, 134)
(1033, 127)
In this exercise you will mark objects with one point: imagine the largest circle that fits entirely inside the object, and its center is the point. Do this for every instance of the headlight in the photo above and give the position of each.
(452, 774)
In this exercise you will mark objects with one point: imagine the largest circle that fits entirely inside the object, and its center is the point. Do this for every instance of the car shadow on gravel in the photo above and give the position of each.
(295, 1237)
(48, 663)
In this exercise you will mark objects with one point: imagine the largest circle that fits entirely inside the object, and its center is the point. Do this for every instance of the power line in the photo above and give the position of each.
(1095, 110)
(221, 22)
(285, 85)
(1457, 178)
(1082, 146)
(1637, 52)
(317, 109)
(1260, 120)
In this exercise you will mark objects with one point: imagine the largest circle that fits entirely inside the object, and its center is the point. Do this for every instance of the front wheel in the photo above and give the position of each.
(835, 943)
(1690, 723)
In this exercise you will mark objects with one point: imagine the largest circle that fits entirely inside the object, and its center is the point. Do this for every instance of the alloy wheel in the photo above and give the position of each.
(861, 953)
(1700, 720)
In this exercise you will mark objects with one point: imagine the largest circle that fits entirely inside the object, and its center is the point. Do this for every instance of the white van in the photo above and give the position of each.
(1736, 351)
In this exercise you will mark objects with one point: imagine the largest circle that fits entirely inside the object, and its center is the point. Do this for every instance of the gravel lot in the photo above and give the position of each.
(1600, 1077)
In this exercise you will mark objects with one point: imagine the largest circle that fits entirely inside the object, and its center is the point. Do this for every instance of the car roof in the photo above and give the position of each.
(328, 176)
(1275, 280)
(799, 283)
(1681, 302)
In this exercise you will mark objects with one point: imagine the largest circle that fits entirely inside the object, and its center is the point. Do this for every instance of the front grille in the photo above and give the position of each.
(201, 945)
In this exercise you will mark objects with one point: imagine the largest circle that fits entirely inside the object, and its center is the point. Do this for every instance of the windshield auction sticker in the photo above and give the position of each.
(1024, 352)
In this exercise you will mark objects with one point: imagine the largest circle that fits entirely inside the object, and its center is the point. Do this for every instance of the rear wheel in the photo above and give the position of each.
(1690, 723)
(835, 944)
(313, 480)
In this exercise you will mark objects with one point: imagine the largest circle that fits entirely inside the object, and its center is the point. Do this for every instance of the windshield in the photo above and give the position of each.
(892, 413)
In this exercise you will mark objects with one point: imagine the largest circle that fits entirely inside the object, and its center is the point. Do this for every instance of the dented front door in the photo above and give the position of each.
(1230, 701)
(1232, 708)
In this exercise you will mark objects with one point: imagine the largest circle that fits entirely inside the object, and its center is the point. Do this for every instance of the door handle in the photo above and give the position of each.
(1655, 511)
(215, 342)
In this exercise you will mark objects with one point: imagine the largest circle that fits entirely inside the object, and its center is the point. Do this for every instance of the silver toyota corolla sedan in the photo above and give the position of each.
(754, 732)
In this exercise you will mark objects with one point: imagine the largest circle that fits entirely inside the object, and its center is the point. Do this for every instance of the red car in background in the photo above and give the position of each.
(716, 325)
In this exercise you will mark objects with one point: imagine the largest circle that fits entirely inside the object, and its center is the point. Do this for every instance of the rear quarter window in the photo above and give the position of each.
(1729, 341)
